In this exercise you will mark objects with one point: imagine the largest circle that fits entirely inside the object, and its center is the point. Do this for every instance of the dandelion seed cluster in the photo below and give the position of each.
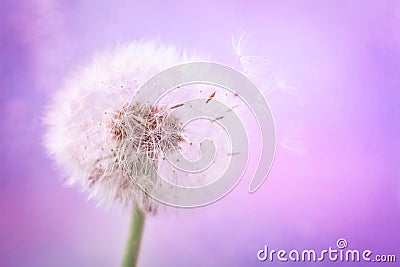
(143, 133)
(101, 141)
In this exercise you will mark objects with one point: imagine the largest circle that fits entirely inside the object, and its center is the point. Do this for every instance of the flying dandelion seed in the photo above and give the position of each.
(281, 95)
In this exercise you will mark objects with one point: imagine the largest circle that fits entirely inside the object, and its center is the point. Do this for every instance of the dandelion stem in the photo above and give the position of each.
(132, 246)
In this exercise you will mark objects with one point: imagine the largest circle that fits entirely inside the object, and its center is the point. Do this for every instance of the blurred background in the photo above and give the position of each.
(336, 173)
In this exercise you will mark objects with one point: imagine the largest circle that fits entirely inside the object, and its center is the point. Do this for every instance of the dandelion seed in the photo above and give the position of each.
(210, 97)
(177, 106)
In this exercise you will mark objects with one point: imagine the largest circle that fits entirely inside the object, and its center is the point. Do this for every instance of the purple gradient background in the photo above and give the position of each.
(344, 56)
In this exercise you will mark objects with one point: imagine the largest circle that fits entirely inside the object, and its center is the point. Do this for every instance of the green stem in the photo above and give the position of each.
(132, 246)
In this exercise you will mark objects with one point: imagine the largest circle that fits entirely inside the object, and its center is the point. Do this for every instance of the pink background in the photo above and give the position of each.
(341, 180)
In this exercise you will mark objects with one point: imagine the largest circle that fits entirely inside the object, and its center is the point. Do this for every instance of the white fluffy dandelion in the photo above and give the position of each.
(105, 143)
(101, 141)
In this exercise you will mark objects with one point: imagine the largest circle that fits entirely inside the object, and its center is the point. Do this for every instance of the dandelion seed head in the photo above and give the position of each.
(103, 143)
